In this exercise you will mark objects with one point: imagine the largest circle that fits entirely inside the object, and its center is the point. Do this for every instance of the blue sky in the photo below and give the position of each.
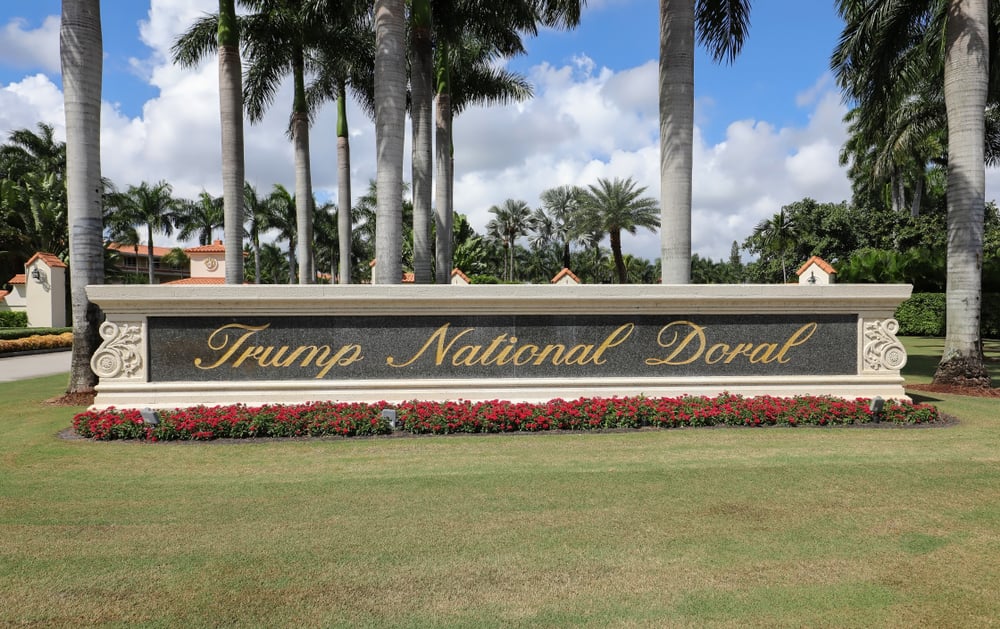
(768, 126)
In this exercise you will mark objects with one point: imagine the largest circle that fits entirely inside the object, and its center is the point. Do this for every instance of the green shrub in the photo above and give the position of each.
(9, 319)
(923, 314)
(8, 334)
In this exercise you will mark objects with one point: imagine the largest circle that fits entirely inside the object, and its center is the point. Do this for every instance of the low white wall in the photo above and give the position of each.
(122, 362)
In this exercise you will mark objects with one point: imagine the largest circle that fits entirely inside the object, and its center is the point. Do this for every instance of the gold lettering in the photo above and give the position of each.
(532, 351)
(219, 339)
(468, 361)
(768, 349)
(570, 358)
(548, 349)
(696, 332)
(442, 349)
(799, 337)
(345, 356)
(722, 348)
(612, 340)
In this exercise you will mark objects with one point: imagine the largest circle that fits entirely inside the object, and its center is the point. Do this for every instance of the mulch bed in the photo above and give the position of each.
(954, 390)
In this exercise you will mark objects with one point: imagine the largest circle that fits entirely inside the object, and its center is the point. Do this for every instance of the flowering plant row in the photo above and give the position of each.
(357, 419)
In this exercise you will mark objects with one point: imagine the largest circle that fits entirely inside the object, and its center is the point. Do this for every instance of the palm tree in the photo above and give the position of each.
(390, 114)
(258, 217)
(80, 54)
(886, 44)
(615, 205)
(202, 217)
(775, 235)
(421, 108)
(152, 206)
(282, 216)
(231, 120)
(510, 222)
(722, 26)
(347, 61)
(560, 207)
(275, 39)
(27, 151)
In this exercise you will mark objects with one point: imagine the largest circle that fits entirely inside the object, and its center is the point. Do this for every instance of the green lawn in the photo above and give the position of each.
(697, 527)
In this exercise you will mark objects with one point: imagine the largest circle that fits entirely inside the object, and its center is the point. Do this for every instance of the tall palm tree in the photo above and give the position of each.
(201, 217)
(613, 206)
(80, 55)
(390, 114)
(145, 204)
(347, 60)
(887, 43)
(275, 38)
(421, 112)
(28, 151)
(722, 26)
(510, 221)
(231, 120)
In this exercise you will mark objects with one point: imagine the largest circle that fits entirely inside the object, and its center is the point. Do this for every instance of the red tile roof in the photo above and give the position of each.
(18, 279)
(196, 281)
(49, 259)
(158, 252)
(820, 262)
(215, 247)
(4, 293)
(564, 273)
(459, 273)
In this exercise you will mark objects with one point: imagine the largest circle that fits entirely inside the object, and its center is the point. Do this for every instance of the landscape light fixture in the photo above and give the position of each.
(389, 414)
(150, 417)
(38, 275)
(812, 277)
(876, 408)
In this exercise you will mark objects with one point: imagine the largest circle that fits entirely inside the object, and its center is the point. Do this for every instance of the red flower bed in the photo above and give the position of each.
(349, 420)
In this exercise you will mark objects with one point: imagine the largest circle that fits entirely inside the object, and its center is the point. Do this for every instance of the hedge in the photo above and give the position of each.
(923, 314)
(11, 319)
(51, 340)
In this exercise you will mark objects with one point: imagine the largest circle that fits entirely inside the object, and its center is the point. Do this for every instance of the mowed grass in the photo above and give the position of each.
(697, 527)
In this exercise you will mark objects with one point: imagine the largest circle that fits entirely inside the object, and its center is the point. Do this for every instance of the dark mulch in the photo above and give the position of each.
(955, 390)
(72, 399)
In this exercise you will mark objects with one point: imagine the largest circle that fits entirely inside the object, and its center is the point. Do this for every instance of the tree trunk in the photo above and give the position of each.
(231, 117)
(81, 55)
(676, 137)
(615, 236)
(421, 81)
(918, 195)
(390, 122)
(344, 225)
(256, 260)
(965, 83)
(442, 154)
(149, 253)
(303, 176)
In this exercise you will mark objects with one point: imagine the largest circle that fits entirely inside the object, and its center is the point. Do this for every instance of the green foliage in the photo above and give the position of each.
(923, 314)
(24, 331)
(10, 319)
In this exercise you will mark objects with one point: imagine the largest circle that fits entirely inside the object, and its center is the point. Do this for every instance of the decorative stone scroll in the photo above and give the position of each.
(882, 350)
(120, 355)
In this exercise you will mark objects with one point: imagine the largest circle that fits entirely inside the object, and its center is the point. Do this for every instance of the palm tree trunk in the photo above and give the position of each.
(421, 76)
(303, 176)
(442, 155)
(918, 194)
(616, 249)
(343, 186)
(80, 54)
(231, 117)
(965, 83)
(390, 122)
(149, 253)
(256, 259)
(676, 137)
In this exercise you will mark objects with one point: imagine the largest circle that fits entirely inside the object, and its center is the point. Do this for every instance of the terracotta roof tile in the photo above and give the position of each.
(196, 281)
(3, 294)
(158, 252)
(215, 247)
(459, 273)
(49, 259)
(565, 272)
(820, 262)
(20, 278)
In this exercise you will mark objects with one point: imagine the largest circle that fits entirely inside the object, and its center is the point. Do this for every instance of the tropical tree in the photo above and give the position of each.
(146, 205)
(775, 235)
(257, 221)
(390, 118)
(510, 222)
(201, 217)
(347, 60)
(27, 151)
(80, 55)
(886, 49)
(231, 120)
(722, 26)
(555, 219)
(282, 216)
(613, 206)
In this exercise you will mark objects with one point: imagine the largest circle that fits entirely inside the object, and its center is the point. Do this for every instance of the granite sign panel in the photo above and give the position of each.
(206, 348)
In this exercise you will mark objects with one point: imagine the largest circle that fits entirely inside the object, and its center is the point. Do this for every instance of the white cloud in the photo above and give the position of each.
(31, 49)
